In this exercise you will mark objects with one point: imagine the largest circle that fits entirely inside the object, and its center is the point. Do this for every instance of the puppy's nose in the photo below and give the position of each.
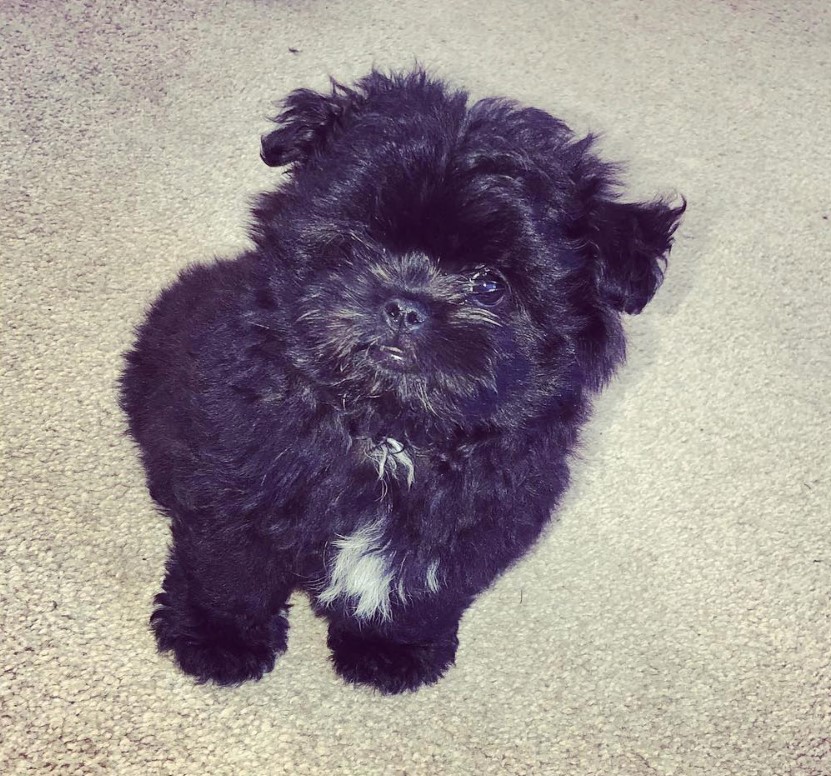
(405, 315)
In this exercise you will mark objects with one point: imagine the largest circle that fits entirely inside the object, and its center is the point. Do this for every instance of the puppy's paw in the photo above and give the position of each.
(213, 649)
(389, 666)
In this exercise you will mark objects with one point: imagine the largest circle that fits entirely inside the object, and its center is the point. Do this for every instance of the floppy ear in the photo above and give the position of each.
(630, 242)
(305, 124)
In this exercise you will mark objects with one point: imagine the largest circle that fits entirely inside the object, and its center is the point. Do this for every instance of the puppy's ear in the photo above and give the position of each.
(630, 243)
(306, 122)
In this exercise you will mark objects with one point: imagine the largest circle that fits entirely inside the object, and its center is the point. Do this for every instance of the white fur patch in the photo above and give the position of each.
(433, 577)
(361, 573)
(391, 458)
(402, 593)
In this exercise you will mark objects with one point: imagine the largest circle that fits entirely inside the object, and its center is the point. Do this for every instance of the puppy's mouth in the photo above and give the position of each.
(392, 358)
(392, 352)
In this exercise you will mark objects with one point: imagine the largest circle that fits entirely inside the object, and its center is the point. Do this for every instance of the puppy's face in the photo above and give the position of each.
(404, 329)
(462, 264)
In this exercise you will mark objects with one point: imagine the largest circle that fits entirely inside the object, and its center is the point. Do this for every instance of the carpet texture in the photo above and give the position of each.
(675, 620)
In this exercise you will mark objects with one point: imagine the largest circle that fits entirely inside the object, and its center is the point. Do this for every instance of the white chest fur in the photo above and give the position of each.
(365, 573)
(361, 573)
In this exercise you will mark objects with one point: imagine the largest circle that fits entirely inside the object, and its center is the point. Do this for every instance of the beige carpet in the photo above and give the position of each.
(675, 621)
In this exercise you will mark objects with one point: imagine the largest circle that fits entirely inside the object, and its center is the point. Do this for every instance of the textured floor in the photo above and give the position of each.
(677, 620)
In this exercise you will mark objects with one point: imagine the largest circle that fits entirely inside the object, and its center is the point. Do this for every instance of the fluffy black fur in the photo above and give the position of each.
(377, 403)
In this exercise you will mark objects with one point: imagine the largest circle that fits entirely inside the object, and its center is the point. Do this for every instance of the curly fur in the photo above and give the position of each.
(337, 411)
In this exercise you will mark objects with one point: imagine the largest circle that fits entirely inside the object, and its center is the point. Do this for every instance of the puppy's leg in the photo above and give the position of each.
(396, 658)
(222, 612)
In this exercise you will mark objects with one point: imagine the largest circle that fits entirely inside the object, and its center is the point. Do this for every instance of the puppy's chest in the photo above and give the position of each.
(372, 569)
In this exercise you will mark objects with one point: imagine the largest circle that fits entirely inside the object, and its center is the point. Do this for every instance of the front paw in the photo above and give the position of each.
(216, 649)
(389, 666)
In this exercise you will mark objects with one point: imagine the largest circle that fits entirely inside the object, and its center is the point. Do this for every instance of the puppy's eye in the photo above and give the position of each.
(487, 288)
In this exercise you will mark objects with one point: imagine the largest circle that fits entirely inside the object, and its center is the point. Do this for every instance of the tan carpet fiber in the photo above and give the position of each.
(676, 620)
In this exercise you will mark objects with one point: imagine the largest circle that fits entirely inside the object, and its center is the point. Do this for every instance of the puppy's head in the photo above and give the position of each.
(466, 264)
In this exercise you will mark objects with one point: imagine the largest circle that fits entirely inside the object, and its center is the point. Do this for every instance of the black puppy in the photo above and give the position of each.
(377, 403)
